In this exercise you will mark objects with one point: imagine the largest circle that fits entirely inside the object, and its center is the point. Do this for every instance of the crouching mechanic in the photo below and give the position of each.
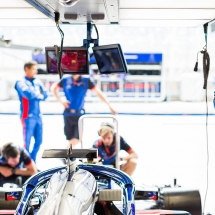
(15, 162)
(107, 152)
(31, 91)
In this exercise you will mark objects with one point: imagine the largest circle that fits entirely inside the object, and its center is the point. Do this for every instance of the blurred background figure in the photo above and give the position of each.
(16, 165)
(31, 91)
(75, 88)
(107, 149)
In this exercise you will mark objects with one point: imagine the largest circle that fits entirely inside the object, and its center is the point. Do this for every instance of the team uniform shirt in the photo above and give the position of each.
(24, 159)
(30, 93)
(75, 91)
(109, 154)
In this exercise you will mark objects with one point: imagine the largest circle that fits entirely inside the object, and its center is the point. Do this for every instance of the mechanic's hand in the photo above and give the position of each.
(6, 171)
(125, 158)
(66, 103)
(40, 97)
(112, 110)
(97, 160)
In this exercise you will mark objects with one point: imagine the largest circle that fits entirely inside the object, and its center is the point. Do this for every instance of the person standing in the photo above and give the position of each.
(75, 88)
(30, 92)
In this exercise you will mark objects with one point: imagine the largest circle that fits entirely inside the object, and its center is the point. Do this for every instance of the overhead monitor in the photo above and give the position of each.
(110, 59)
(74, 60)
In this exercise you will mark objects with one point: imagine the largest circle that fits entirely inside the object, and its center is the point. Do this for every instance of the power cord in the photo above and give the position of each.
(206, 68)
(57, 16)
(96, 31)
(206, 98)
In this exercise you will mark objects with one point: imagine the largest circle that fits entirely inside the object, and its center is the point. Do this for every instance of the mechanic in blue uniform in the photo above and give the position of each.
(15, 163)
(31, 91)
(75, 88)
(106, 149)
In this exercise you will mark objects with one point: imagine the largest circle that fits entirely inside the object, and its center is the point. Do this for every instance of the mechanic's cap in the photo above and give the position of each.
(105, 128)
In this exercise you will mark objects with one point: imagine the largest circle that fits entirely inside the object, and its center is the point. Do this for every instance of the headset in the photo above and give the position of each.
(7, 149)
(105, 124)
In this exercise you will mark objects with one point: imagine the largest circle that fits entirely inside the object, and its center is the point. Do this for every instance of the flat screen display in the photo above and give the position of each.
(110, 59)
(74, 60)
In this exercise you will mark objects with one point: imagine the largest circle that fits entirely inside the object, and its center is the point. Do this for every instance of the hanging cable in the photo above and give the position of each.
(206, 68)
(96, 31)
(196, 65)
(207, 179)
(59, 57)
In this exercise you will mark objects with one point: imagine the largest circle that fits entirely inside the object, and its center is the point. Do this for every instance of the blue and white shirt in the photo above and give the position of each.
(75, 91)
(30, 92)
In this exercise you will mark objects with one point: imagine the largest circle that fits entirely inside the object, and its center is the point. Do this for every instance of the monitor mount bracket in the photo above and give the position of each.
(90, 40)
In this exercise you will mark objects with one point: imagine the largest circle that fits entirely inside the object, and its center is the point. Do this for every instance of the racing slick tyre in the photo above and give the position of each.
(180, 199)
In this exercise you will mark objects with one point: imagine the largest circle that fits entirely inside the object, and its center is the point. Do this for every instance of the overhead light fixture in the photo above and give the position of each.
(71, 16)
(68, 3)
(98, 16)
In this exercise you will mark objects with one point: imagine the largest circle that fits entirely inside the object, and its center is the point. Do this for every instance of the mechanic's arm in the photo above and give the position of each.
(28, 171)
(96, 160)
(100, 94)
(28, 92)
(54, 89)
(131, 154)
(5, 171)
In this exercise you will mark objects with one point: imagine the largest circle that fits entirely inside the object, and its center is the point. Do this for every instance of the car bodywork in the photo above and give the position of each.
(86, 184)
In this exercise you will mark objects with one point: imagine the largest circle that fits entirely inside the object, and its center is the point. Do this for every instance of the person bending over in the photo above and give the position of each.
(107, 152)
(15, 163)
